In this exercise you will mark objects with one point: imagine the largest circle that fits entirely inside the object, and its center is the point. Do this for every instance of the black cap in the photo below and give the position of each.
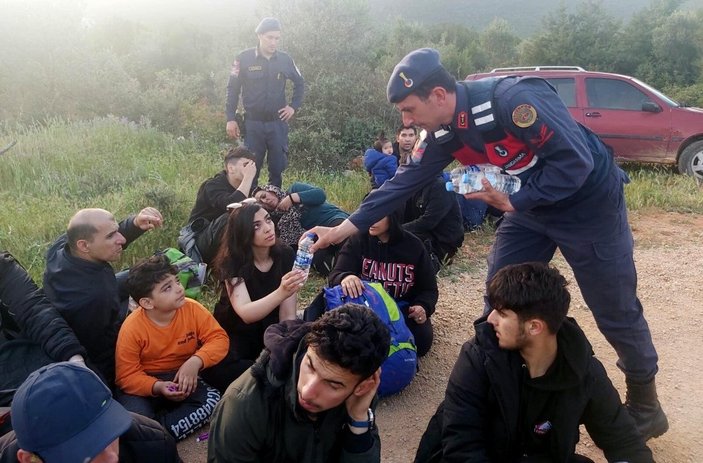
(411, 72)
(268, 25)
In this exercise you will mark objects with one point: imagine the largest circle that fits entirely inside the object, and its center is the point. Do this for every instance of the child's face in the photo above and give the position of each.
(388, 148)
(168, 295)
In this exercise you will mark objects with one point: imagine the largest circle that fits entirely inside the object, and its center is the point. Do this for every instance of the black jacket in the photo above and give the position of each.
(402, 265)
(259, 420)
(213, 197)
(25, 313)
(485, 419)
(145, 441)
(87, 296)
(433, 213)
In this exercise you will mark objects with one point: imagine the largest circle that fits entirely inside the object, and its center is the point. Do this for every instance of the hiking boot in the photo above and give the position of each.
(642, 404)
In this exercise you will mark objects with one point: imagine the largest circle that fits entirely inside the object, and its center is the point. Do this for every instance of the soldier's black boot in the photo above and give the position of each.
(642, 403)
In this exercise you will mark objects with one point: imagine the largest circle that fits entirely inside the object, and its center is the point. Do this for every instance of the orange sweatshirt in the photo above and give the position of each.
(143, 346)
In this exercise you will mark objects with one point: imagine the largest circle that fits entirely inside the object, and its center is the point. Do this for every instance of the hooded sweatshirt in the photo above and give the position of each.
(494, 412)
(259, 419)
(402, 265)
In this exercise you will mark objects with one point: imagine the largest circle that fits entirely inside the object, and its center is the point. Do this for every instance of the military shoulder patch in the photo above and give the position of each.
(235, 69)
(524, 116)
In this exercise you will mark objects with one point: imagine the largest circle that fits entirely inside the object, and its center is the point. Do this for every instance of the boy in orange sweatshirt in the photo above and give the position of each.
(163, 346)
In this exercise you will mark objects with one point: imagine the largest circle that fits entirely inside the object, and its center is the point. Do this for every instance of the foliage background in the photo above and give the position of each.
(165, 64)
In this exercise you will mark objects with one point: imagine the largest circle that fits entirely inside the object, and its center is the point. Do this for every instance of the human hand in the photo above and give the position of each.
(352, 286)
(248, 170)
(148, 219)
(286, 113)
(187, 375)
(417, 313)
(233, 129)
(169, 390)
(359, 402)
(292, 281)
(285, 204)
(492, 197)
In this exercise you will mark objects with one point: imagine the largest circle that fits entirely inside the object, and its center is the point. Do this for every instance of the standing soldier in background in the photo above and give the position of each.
(260, 75)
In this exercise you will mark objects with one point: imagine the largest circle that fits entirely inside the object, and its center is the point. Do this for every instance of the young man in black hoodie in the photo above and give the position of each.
(525, 382)
(200, 239)
(309, 398)
(80, 282)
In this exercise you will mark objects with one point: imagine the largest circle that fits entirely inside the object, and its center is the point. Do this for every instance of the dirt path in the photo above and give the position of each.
(669, 265)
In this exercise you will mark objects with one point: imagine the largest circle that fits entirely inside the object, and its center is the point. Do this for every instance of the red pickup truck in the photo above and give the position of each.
(639, 122)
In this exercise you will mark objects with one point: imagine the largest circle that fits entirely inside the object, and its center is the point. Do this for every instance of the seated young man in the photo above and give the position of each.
(64, 413)
(521, 387)
(200, 238)
(163, 346)
(309, 397)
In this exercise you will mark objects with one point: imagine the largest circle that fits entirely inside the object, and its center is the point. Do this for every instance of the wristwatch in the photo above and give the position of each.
(368, 424)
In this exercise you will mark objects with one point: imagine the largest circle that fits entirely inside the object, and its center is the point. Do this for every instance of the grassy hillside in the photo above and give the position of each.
(55, 170)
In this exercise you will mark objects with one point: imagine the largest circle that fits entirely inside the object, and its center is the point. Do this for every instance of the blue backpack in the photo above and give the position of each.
(399, 369)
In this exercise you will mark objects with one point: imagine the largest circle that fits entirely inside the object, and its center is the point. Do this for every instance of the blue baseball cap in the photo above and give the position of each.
(268, 25)
(411, 72)
(64, 413)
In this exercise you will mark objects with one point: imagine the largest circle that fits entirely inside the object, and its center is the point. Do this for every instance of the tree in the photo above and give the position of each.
(499, 44)
(585, 38)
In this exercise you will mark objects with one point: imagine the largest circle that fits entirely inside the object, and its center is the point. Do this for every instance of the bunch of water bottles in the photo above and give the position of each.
(467, 179)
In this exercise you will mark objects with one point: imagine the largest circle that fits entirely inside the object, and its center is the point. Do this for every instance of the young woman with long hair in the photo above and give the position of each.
(258, 286)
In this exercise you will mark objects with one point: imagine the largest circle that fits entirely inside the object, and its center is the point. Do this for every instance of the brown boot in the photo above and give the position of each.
(643, 405)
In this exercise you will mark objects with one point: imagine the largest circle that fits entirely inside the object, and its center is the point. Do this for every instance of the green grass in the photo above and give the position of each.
(662, 188)
(57, 169)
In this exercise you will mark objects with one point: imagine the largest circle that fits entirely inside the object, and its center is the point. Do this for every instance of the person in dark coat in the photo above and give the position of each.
(32, 332)
(522, 386)
(64, 413)
(80, 282)
(432, 214)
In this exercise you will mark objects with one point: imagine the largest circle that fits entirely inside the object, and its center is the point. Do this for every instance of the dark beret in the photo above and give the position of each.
(411, 72)
(268, 25)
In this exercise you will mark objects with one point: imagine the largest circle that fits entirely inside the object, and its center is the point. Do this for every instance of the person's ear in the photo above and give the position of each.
(146, 303)
(83, 246)
(536, 326)
(440, 94)
(24, 456)
(364, 386)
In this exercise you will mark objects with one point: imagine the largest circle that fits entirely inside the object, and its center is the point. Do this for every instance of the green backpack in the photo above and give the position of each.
(191, 274)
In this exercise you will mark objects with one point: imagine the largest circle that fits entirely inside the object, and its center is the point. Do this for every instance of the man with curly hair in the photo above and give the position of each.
(310, 395)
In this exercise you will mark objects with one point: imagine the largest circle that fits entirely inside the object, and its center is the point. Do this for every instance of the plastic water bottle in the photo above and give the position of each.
(303, 258)
(467, 179)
